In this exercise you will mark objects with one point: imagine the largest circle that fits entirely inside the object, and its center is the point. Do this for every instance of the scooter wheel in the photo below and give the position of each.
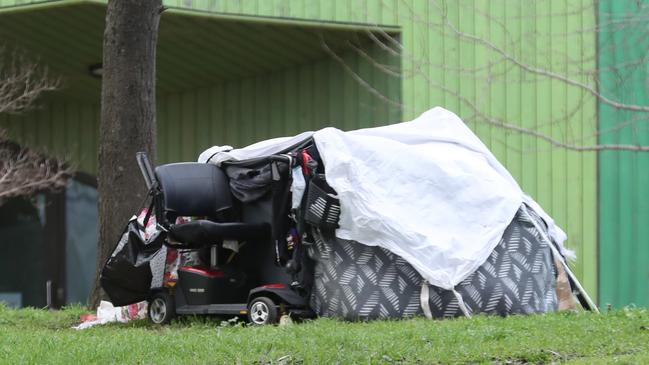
(162, 308)
(261, 311)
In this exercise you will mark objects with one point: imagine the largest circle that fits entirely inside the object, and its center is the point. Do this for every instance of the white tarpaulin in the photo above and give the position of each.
(428, 190)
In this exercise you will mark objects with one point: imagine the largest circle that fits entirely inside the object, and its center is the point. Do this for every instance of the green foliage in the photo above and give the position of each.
(39, 336)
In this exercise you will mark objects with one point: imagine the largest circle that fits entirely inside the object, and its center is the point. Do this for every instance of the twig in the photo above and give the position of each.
(356, 76)
(22, 82)
(543, 72)
(24, 171)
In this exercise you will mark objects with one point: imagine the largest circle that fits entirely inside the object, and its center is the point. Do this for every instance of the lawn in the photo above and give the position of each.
(38, 336)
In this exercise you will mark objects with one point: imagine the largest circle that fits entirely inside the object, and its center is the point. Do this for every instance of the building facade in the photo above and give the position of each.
(235, 72)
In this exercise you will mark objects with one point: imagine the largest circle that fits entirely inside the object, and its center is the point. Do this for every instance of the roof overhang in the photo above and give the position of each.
(195, 48)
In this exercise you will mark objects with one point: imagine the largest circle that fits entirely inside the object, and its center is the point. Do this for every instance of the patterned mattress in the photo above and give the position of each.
(354, 281)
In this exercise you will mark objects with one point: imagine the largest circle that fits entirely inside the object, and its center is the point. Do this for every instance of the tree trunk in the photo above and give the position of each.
(127, 118)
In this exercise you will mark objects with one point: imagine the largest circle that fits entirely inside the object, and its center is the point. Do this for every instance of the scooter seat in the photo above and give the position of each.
(201, 233)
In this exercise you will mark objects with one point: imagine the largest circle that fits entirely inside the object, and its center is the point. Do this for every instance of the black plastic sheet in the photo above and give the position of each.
(126, 276)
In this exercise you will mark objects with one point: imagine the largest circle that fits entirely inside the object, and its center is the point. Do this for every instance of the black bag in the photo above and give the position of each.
(250, 183)
(126, 276)
(265, 184)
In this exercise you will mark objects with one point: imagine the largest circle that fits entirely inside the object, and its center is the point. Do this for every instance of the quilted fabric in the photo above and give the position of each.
(354, 281)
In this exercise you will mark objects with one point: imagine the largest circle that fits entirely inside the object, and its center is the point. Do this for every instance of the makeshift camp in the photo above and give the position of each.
(408, 219)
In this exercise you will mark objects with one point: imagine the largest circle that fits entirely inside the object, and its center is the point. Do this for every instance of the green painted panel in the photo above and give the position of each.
(624, 176)
(281, 103)
(66, 130)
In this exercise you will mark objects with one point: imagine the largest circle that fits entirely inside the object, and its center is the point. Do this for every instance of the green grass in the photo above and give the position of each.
(37, 337)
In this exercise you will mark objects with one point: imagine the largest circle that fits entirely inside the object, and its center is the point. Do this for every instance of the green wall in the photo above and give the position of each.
(65, 129)
(439, 68)
(237, 112)
(283, 103)
(624, 176)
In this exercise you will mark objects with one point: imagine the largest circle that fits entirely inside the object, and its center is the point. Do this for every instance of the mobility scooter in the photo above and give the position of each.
(242, 240)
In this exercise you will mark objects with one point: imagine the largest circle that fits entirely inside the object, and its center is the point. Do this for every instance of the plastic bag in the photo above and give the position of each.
(126, 276)
(107, 313)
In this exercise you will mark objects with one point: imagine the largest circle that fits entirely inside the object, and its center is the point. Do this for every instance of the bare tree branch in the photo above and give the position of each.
(532, 132)
(538, 70)
(514, 68)
(356, 76)
(22, 82)
(24, 171)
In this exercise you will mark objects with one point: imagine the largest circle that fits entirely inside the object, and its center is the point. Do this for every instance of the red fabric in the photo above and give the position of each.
(305, 159)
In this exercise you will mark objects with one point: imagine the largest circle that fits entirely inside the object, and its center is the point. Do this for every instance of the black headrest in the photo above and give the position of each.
(194, 189)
